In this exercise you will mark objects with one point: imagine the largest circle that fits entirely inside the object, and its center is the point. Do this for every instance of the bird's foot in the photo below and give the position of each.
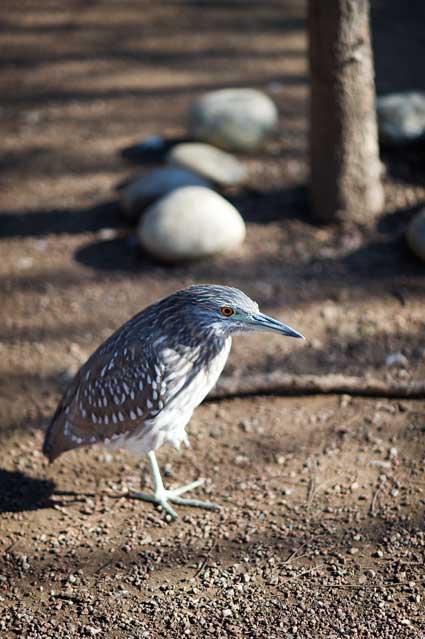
(162, 497)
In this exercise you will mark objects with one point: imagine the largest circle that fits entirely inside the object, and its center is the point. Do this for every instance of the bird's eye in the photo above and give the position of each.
(227, 311)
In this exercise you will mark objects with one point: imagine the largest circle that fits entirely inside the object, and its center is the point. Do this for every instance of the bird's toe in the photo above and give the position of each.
(163, 498)
(168, 509)
(187, 487)
(195, 503)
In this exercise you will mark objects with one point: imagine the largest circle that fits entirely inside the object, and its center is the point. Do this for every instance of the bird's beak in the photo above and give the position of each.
(263, 322)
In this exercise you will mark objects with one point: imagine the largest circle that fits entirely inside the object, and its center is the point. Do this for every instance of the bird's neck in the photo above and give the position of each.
(205, 343)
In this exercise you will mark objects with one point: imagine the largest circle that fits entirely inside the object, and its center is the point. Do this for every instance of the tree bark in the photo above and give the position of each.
(344, 153)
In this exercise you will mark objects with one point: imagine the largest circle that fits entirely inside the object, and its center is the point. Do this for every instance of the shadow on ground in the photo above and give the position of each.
(19, 492)
(60, 221)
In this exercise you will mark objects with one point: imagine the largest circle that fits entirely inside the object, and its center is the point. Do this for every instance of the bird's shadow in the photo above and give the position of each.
(20, 492)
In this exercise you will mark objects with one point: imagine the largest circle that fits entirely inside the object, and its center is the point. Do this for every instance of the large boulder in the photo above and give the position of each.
(190, 223)
(209, 162)
(234, 119)
(401, 117)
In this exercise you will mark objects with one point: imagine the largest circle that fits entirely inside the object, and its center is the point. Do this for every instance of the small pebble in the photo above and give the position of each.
(397, 359)
(24, 263)
(392, 453)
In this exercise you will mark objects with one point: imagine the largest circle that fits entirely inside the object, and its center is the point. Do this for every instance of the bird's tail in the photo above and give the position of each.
(51, 447)
(57, 440)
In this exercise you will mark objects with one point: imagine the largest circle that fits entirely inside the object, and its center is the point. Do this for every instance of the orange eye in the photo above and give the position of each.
(227, 311)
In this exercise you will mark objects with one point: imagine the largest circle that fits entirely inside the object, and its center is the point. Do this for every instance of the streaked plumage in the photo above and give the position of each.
(140, 387)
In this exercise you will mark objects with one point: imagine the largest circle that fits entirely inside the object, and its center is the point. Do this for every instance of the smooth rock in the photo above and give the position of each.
(149, 187)
(235, 119)
(189, 223)
(396, 359)
(401, 117)
(415, 235)
(209, 162)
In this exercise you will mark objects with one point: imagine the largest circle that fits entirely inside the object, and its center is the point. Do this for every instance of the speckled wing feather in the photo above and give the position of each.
(118, 390)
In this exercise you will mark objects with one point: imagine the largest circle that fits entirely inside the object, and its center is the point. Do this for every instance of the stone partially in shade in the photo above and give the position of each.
(401, 117)
(415, 235)
(235, 119)
(209, 162)
(190, 223)
(149, 187)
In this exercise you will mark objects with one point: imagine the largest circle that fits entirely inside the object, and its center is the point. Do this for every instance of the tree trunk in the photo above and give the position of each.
(344, 154)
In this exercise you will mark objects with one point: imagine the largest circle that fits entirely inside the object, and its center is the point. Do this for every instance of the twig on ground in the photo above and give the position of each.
(103, 566)
(66, 597)
(304, 572)
(205, 560)
(282, 384)
(312, 484)
(385, 584)
(355, 586)
(374, 507)
(294, 554)
(62, 510)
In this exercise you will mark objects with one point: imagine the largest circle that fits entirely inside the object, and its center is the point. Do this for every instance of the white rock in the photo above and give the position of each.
(191, 222)
(209, 162)
(149, 187)
(401, 117)
(235, 119)
(415, 235)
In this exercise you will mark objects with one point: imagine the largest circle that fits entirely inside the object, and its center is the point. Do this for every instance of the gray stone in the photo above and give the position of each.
(149, 187)
(209, 162)
(396, 359)
(415, 235)
(401, 117)
(190, 223)
(235, 119)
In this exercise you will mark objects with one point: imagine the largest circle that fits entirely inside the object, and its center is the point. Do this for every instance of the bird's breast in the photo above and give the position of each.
(169, 425)
(200, 380)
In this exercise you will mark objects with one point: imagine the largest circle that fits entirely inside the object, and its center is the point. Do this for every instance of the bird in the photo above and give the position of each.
(140, 387)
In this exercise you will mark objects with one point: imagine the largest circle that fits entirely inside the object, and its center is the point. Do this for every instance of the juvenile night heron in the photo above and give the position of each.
(140, 387)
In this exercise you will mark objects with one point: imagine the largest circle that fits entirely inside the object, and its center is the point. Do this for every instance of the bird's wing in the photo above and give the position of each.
(113, 394)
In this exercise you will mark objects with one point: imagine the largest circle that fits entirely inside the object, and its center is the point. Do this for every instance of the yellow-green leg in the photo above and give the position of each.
(162, 497)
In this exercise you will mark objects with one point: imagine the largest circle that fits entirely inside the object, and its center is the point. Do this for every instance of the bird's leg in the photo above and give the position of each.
(161, 496)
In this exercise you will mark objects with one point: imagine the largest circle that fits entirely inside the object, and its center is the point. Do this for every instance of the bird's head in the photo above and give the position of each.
(228, 311)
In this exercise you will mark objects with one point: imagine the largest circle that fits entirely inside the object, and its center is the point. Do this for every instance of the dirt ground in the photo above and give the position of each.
(321, 528)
